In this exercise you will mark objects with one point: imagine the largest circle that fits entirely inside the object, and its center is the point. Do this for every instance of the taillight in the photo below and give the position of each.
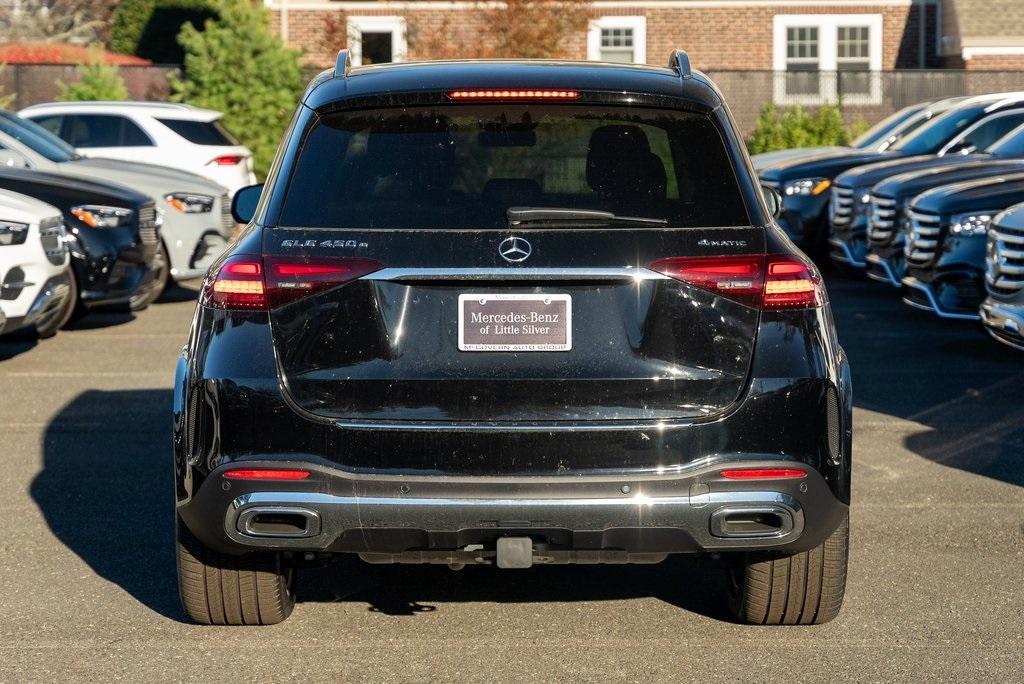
(290, 278)
(244, 282)
(266, 474)
(768, 282)
(763, 473)
(226, 160)
(237, 284)
(791, 283)
(735, 277)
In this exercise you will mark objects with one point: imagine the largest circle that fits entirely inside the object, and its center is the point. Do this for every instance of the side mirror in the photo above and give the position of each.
(962, 147)
(887, 143)
(773, 199)
(13, 160)
(243, 204)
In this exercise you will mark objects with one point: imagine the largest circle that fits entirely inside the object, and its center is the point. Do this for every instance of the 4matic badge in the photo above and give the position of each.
(326, 244)
(721, 243)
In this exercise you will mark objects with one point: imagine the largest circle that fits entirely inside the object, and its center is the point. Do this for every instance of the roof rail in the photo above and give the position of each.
(342, 65)
(680, 62)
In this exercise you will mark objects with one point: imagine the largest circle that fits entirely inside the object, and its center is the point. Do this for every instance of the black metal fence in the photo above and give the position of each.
(869, 96)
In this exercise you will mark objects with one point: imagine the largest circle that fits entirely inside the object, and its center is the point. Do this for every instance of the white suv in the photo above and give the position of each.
(36, 287)
(164, 133)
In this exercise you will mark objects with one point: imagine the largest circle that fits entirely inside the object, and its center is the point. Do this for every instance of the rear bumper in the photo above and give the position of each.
(337, 511)
(1004, 322)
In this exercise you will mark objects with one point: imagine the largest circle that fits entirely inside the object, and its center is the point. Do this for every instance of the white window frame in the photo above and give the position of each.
(828, 56)
(356, 26)
(637, 24)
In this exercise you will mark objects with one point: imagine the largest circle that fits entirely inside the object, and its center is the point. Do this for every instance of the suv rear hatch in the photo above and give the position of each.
(513, 261)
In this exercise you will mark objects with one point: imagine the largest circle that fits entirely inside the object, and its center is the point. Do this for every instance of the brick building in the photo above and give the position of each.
(805, 51)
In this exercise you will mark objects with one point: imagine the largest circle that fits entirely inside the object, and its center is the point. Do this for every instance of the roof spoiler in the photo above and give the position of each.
(679, 61)
(342, 65)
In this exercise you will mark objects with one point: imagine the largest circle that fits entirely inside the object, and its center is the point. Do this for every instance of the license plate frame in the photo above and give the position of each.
(557, 340)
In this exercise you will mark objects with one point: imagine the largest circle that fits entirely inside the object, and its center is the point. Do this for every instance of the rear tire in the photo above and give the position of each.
(218, 589)
(801, 589)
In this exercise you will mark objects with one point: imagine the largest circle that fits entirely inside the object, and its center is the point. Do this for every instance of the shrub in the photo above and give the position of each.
(8, 98)
(149, 28)
(235, 65)
(96, 81)
(796, 127)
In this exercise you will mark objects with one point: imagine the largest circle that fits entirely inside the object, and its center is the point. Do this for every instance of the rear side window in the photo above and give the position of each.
(104, 130)
(464, 166)
(991, 130)
(200, 132)
(51, 123)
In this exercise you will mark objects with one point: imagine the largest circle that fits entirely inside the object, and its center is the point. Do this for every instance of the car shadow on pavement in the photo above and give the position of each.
(948, 376)
(105, 490)
(14, 345)
(101, 317)
(695, 585)
(178, 292)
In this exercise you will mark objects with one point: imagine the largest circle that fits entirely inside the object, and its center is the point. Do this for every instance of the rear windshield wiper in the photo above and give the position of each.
(519, 217)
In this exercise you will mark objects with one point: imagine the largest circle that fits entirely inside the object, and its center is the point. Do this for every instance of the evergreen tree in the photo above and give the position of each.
(235, 65)
(96, 81)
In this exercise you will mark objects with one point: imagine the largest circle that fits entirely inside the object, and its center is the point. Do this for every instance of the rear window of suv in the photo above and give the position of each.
(200, 132)
(464, 166)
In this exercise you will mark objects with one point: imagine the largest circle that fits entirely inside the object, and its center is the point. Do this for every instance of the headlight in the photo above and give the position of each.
(97, 216)
(189, 203)
(807, 186)
(974, 223)
(12, 233)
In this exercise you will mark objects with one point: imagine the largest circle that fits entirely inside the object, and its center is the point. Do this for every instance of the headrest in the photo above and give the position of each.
(512, 192)
(621, 166)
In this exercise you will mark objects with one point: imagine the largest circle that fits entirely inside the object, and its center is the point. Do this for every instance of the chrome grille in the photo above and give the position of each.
(148, 225)
(883, 226)
(51, 234)
(841, 207)
(227, 221)
(1004, 264)
(923, 239)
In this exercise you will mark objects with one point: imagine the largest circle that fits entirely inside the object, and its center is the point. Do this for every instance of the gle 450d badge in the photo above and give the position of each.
(325, 244)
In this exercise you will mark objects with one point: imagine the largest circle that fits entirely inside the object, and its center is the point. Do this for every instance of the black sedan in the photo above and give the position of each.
(112, 233)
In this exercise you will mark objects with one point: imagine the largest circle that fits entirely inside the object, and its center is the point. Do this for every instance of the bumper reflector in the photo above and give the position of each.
(763, 473)
(265, 474)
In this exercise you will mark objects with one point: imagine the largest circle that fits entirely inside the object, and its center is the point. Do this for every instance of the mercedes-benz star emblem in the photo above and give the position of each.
(514, 249)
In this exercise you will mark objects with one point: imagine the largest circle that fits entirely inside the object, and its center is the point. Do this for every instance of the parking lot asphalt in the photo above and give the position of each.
(936, 586)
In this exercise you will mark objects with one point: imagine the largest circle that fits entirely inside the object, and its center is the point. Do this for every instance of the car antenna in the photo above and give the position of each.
(678, 60)
(342, 65)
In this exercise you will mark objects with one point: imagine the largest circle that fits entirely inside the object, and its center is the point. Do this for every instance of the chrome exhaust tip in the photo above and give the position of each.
(288, 522)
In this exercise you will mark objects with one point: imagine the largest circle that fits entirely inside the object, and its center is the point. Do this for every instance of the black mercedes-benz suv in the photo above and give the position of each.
(997, 137)
(512, 313)
(946, 243)
(1002, 312)
(805, 183)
